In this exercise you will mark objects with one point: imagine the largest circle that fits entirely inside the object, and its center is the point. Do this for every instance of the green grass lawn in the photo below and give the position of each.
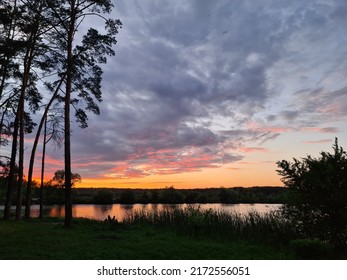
(87, 239)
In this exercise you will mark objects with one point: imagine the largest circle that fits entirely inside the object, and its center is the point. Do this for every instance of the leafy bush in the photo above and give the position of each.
(318, 201)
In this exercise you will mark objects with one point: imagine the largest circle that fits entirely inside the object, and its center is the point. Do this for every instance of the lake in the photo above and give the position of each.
(100, 212)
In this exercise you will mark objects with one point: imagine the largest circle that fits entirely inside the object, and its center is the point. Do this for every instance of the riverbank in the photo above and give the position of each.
(88, 239)
(153, 238)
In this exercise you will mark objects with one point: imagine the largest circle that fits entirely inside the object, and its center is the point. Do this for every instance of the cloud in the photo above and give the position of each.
(330, 130)
(333, 130)
(170, 161)
(252, 149)
(321, 141)
(194, 80)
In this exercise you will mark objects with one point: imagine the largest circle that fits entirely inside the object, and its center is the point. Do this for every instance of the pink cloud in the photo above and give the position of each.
(51, 165)
(322, 141)
(331, 109)
(280, 129)
(252, 150)
(169, 161)
(321, 129)
(252, 125)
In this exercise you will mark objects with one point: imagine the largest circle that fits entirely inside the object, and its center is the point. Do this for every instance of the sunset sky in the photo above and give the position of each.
(212, 93)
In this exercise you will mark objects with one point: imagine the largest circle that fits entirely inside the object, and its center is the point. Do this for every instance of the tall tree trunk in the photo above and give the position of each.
(19, 122)
(35, 35)
(28, 60)
(67, 134)
(43, 168)
(67, 158)
(33, 151)
(20, 164)
(4, 70)
(11, 175)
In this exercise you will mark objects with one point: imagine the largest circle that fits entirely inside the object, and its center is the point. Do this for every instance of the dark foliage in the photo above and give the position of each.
(103, 197)
(127, 197)
(318, 195)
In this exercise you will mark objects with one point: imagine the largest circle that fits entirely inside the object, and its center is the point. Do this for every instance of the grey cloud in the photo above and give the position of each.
(271, 118)
(181, 64)
(289, 114)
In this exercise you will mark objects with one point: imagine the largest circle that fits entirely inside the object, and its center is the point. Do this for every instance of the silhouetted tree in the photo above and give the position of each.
(127, 197)
(27, 28)
(55, 135)
(103, 197)
(154, 196)
(227, 195)
(10, 46)
(28, 197)
(58, 179)
(144, 197)
(318, 188)
(41, 35)
(171, 195)
(81, 65)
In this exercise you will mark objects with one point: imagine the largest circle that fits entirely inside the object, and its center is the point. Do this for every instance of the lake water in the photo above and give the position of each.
(100, 212)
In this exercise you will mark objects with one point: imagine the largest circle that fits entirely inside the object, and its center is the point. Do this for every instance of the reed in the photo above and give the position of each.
(272, 227)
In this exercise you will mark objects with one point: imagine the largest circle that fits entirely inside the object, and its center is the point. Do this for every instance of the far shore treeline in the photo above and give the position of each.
(171, 195)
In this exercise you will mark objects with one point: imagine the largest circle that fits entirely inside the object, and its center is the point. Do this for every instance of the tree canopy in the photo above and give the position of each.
(50, 58)
(318, 188)
(58, 179)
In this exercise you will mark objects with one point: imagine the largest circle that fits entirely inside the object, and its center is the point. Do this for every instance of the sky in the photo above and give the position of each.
(213, 93)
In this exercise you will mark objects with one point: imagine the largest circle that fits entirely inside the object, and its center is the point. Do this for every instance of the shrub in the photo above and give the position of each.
(318, 201)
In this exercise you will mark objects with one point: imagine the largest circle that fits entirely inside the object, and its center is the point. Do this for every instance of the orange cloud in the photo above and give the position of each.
(253, 150)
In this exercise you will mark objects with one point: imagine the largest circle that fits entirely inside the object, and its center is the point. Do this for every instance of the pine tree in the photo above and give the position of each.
(81, 65)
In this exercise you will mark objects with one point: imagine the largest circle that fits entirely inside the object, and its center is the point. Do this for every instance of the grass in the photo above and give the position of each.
(87, 239)
(174, 234)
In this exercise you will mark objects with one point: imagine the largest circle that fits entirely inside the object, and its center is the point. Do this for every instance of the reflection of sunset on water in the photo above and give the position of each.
(120, 211)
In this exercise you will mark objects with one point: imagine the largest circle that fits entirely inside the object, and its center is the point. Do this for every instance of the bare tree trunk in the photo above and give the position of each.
(33, 151)
(28, 60)
(11, 175)
(18, 125)
(43, 168)
(20, 163)
(67, 135)
(67, 159)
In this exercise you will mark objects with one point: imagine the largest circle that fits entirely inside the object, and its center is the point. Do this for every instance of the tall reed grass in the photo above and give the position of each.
(272, 227)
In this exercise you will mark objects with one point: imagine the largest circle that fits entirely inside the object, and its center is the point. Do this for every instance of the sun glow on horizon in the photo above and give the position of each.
(228, 176)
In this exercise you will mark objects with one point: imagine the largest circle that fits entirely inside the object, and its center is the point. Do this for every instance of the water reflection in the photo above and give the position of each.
(55, 211)
(120, 211)
(102, 210)
(127, 207)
